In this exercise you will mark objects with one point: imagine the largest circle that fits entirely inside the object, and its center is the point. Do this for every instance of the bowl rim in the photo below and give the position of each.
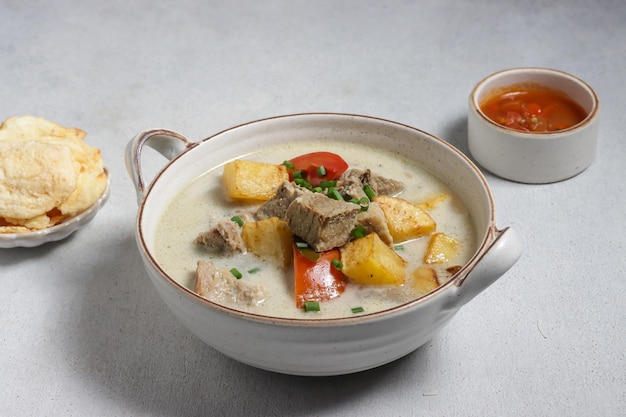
(455, 280)
(591, 115)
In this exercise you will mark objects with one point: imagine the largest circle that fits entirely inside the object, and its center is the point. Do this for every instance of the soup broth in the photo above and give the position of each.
(203, 203)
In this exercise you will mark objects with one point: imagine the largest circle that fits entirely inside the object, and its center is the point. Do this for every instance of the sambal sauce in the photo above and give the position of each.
(533, 109)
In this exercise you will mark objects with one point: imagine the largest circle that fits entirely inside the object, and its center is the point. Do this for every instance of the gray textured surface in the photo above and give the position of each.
(84, 333)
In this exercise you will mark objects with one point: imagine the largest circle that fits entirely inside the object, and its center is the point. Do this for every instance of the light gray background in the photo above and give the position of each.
(84, 333)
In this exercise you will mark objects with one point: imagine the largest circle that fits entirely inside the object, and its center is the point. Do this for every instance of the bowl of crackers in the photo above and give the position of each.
(51, 181)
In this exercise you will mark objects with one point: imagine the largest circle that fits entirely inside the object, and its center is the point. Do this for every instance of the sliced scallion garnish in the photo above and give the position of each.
(328, 184)
(334, 194)
(302, 182)
(311, 306)
(356, 310)
(236, 273)
(321, 171)
(369, 192)
(289, 165)
(237, 220)
(337, 264)
(364, 203)
(254, 270)
(359, 232)
(297, 174)
(302, 245)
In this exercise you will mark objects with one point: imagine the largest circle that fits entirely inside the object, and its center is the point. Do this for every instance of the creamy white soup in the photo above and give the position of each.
(203, 203)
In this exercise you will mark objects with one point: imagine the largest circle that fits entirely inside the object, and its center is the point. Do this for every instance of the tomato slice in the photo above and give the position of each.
(315, 277)
(310, 162)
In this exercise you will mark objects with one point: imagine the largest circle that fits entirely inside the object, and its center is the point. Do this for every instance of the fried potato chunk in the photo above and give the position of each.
(269, 238)
(45, 169)
(425, 279)
(441, 248)
(406, 220)
(370, 261)
(255, 181)
(433, 202)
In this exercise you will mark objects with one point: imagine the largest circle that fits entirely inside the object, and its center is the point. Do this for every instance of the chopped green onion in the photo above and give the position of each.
(398, 247)
(317, 189)
(302, 182)
(298, 174)
(369, 192)
(364, 203)
(311, 306)
(236, 273)
(328, 184)
(302, 245)
(359, 232)
(254, 270)
(237, 220)
(334, 194)
(356, 310)
(321, 171)
(290, 166)
(337, 264)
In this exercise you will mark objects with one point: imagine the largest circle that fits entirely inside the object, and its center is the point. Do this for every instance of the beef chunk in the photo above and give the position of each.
(223, 238)
(351, 187)
(219, 285)
(380, 185)
(320, 221)
(277, 205)
(373, 220)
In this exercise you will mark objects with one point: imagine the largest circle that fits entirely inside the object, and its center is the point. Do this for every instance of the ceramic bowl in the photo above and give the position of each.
(59, 231)
(529, 157)
(317, 346)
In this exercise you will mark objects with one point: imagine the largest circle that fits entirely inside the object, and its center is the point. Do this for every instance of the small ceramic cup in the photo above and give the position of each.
(529, 157)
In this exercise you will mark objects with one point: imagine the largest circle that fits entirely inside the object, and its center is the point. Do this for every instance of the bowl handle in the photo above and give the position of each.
(167, 143)
(505, 250)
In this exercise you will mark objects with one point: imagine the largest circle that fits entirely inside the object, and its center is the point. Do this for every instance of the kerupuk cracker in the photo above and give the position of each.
(47, 174)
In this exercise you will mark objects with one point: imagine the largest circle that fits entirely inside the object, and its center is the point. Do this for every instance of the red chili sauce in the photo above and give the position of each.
(532, 108)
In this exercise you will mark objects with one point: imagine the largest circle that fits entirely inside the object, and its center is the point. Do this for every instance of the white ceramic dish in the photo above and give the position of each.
(318, 346)
(59, 231)
(533, 157)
